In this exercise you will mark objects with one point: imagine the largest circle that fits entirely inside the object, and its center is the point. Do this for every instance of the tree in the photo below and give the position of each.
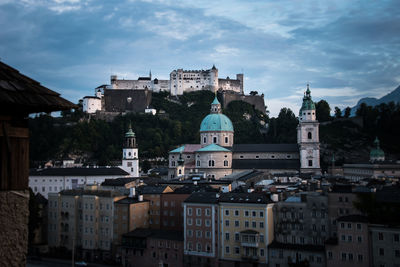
(323, 111)
(338, 113)
(347, 112)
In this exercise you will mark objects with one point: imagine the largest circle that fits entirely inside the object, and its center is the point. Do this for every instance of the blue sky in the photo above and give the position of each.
(345, 49)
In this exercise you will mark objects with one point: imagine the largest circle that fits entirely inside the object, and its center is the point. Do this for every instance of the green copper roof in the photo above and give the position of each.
(130, 133)
(178, 150)
(376, 152)
(216, 122)
(215, 102)
(308, 104)
(213, 148)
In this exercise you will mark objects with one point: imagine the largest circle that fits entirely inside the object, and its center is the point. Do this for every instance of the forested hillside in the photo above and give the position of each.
(100, 142)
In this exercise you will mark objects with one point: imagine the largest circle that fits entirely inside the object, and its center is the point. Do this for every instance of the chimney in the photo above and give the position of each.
(132, 192)
(140, 198)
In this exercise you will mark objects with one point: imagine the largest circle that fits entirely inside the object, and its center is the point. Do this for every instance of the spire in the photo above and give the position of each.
(215, 105)
(376, 143)
(150, 74)
(213, 67)
(129, 133)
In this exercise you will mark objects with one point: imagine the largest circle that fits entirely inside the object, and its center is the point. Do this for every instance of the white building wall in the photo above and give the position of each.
(192, 80)
(207, 138)
(91, 104)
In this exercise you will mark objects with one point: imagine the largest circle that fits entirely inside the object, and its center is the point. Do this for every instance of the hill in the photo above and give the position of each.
(393, 96)
(100, 142)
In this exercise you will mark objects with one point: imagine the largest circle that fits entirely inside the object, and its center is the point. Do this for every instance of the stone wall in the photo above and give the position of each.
(257, 100)
(14, 216)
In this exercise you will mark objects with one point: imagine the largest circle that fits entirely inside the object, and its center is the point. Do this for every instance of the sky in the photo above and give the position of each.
(344, 49)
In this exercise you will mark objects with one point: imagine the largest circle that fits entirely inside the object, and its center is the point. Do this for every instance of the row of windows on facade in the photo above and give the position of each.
(211, 163)
(299, 256)
(86, 206)
(104, 245)
(247, 251)
(55, 180)
(215, 139)
(227, 212)
(292, 215)
(299, 226)
(345, 256)
(299, 239)
(394, 237)
(246, 224)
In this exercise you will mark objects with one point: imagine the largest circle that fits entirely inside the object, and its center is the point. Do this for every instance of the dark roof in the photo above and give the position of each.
(19, 93)
(129, 200)
(388, 194)
(296, 247)
(249, 232)
(353, 218)
(293, 164)
(342, 188)
(257, 198)
(265, 148)
(118, 181)
(203, 197)
(146, 189)
(154, 233)
(144, 79)
(77, 171)
(80, 192)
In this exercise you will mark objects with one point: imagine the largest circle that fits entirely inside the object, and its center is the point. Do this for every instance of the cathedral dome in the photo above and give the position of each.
(216, 122)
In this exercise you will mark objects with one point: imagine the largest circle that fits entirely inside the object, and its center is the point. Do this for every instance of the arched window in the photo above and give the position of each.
(211, 163)
(180, 171)
(225, 163)
(205, 140)
(173, 163)
(214, 139)
(226, 139)
(198, 163)
(309, 135)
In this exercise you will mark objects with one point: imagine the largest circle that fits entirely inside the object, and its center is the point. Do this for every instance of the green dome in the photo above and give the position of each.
(308, 104)
(216, 122)
(376, 152)
(130, 133)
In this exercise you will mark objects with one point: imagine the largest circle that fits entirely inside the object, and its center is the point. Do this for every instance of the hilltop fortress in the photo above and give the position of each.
(135, 95)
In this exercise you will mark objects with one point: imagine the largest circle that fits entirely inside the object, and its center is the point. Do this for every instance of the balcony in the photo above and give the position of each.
(249, 238)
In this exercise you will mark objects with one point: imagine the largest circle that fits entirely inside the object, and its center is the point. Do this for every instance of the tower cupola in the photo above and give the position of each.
(376, 153)
(307, 110)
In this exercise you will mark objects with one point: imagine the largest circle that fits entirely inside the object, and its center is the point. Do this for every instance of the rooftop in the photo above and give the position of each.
(129, 200)
(255, 198)
(353, 218)
(203, 197)
(266, 148)
(213, 148)
(292, 164)
(118, 181)
(102, 171)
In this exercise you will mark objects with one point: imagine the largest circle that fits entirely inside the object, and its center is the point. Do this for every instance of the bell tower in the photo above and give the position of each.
(308, 136)
(130, 156)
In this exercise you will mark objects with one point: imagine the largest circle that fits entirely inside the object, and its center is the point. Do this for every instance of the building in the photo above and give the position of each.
(153, 195)
(201, 229)
(308, 135)
(193, 80)
(91, 104)
(246, 229)
(216, 156)
(385, 245)
(141, 83)
(150, 247)
(54, 180)
(130, 154)
(83, 218)
(301, 226)
(351, 247)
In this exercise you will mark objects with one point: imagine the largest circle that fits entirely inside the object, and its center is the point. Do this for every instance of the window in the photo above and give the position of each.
(309, 135)
(237, 250)
(205, 140)
(380, 236)
(236, 213)
(237, 236)
(344, 256)
(236, 223)
(198, 222)
(198, 212)
(190, 211)
(208, 234)
(396, 237)
(246, 213)
(342, 225)
(261, 214)
(227, 212)
(349, 238)
(262, 252)
(214, 139)
(198, 247)
(261, 238)
(208, 212)
(381, 252)
(211, 163)
(246, 224)
(349, 226)
(227, 223)
(226, 140)
(360, 257)
(190, 233)
(199, 233)
(330, 255)
(189, 221)
(397, 253)
(198, 163)
(227, 249)
(254, 224)
(261, 224)
(226, 163)
(226, 236)
(208, 223)
(310, 163)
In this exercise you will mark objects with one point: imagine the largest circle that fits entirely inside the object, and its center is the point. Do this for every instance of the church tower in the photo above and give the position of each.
(308, 136)
(130, 156)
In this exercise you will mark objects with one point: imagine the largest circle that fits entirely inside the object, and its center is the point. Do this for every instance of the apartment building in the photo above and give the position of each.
(385, 245)
(201, 229)
(82, 218)
(351, 247)
(246, 229)
(153, 195)
(152, 247)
